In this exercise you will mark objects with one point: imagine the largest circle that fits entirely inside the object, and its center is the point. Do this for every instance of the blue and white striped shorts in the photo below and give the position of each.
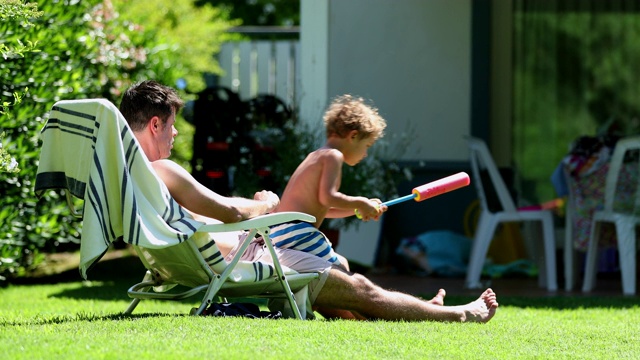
(303, 236)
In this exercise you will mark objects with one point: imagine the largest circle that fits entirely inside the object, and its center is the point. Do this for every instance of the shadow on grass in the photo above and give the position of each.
(107, 280)
(128, 267)
(86, 317)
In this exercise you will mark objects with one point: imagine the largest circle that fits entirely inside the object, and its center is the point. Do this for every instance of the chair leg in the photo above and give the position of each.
(626, 234)
(217, 282)
(569, 258)
(212, 291)
(281, 277)
(592, 255)
(134, 303)
(132, 306)
(484, 234)
(549, 253)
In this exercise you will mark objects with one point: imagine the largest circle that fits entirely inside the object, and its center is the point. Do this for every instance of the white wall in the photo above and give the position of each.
(411, 58)
(314, 55)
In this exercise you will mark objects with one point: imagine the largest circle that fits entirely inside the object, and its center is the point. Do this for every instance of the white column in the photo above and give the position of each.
(314, 65)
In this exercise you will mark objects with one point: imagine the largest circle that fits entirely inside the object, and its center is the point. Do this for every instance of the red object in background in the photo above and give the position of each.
(218, 145)
(263, 172)
(215, 174)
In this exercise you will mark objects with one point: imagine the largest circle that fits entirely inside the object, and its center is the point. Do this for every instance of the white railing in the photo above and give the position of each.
(261, 67)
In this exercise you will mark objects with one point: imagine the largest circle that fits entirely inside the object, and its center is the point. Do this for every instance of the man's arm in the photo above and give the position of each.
(199, 199)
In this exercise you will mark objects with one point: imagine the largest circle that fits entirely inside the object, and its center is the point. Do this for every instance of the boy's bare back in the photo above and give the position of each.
(303, 190)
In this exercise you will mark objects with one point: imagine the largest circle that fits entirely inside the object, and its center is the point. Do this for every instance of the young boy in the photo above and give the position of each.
(314, 188)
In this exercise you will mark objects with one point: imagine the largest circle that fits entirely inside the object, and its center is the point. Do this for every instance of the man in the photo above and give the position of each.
(150, 109)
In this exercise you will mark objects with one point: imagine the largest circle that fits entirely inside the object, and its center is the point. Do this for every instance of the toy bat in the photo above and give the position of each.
(434, 188)
(431, 189)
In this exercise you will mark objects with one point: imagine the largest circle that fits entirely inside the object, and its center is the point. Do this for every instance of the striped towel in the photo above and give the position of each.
(89, 149)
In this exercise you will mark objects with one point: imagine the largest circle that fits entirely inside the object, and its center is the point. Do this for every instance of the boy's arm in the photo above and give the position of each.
(197, 198)
(335, 213)
(341, 205)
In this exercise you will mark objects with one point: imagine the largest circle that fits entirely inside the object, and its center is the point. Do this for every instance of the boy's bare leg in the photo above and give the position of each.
(344, 290)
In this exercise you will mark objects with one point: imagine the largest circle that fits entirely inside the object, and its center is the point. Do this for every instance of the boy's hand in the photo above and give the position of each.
(372, 210)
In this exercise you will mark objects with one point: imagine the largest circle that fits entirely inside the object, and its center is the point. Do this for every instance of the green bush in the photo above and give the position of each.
(83, 49)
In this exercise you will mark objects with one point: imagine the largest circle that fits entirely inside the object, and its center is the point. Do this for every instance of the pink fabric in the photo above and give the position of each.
(588, 191)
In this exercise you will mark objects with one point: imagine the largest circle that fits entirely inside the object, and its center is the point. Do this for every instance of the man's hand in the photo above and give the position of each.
(271, 199)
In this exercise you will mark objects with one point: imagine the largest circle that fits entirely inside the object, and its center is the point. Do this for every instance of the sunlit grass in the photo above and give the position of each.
(84, 320)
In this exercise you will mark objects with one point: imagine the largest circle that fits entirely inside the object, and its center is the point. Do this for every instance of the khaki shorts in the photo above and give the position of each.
(299, 261)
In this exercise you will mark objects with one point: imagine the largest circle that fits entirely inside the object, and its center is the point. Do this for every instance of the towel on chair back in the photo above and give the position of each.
(89, 149)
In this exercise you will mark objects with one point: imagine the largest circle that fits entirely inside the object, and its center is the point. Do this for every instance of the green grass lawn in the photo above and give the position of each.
(82, 320)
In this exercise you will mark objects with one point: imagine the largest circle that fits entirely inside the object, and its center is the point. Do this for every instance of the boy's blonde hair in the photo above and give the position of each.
(347, 113)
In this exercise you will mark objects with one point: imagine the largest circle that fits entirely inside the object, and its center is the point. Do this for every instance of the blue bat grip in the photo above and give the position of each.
(399, 200)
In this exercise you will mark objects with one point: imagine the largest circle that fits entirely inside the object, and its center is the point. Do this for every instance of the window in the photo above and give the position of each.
(576, 72)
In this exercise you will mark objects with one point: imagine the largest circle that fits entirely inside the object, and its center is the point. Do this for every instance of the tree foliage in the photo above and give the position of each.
(260, 12)
(85, 49)
(184, 38)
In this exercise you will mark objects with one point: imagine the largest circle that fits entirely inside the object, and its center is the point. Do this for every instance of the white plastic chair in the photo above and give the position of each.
(570, 268)
(624, 218)
(481, 159)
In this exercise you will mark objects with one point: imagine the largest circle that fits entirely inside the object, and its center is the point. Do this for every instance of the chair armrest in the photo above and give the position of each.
(259, 222)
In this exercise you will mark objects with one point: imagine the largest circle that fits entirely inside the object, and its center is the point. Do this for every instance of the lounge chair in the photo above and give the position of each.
(90, 152)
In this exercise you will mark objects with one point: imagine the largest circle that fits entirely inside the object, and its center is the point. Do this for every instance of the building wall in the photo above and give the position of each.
(411, 58)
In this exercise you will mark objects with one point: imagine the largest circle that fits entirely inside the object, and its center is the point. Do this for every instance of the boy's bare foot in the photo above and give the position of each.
(481, 310)
(439, 298)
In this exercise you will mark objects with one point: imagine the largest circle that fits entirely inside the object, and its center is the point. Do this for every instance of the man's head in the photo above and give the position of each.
(143, 101)
(346, 114)
(150, 109)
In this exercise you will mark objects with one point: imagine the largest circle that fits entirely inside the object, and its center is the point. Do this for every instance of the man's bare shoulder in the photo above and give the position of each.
(162, 163)
(170, 172)
(165, 165)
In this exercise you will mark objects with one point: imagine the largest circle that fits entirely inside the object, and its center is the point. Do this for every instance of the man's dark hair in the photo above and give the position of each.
(147, 99)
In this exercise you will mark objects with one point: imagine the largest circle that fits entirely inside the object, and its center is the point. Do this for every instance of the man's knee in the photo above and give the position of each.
(363, 285)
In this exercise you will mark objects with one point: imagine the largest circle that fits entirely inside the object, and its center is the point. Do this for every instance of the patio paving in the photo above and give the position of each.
(606, 285)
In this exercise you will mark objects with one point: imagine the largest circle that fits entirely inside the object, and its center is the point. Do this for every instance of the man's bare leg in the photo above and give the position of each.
(333, 314)
(436, 300)
(355, 292)
(352, 315)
